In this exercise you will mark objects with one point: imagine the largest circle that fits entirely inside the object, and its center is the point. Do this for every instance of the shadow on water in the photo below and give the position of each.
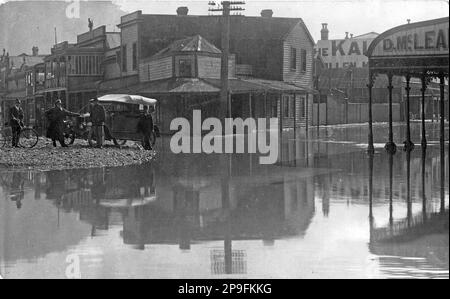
(231, 215)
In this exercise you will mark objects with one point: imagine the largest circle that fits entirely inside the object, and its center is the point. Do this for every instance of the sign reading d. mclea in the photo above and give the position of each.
(423, 40)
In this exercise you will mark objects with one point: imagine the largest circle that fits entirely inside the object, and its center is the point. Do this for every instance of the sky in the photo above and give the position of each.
(355, 16)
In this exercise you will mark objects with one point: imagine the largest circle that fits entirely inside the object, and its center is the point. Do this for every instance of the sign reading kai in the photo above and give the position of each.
(345, 52)
(424, 38)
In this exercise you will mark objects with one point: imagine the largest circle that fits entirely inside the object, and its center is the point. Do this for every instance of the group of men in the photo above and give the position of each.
(58, 114)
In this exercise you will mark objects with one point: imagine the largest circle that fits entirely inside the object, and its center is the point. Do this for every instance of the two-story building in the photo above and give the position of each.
(269, 54)
(18, 82)
(73, 71)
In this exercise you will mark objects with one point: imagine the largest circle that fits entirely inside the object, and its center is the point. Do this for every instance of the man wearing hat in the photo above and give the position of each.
(56, 117)
(16, 116)
(98, 118)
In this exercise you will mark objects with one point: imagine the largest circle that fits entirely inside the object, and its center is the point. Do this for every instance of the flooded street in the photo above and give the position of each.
(325, 210)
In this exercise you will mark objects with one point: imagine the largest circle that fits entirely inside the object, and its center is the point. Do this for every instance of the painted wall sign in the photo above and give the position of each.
(430, 39)
(345, 52)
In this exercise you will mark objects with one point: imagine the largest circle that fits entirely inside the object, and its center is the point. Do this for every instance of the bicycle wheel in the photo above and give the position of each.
(28, 138)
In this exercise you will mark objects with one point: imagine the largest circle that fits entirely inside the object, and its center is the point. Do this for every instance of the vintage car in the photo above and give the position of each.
(122, 116)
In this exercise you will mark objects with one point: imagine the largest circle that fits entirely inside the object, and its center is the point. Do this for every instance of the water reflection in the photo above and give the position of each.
(409, 245)
(227, 215)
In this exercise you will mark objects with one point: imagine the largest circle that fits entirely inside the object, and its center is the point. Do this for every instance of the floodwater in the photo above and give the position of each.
(325, 210)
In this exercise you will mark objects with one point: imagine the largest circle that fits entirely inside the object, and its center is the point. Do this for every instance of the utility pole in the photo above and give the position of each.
(226, 8)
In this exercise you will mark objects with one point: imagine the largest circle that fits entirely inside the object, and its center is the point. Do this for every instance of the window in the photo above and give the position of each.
(134, 56)
(77, 65)
(185, 68)
(86, 64)
(291, 106)
(303, 60)
(302, 106)
(293, 58)
(124, 58)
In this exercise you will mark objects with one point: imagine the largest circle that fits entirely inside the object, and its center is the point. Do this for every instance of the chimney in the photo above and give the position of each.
(324, 32)
(351, 35)
(266, 13)
(346, 35)
(182, 11)
(35, 51)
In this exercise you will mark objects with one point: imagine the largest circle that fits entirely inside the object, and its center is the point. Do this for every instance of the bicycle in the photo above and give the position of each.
(28, 137)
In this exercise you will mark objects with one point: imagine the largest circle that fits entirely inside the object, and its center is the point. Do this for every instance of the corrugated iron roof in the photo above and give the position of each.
(192, 44)
(173, 86)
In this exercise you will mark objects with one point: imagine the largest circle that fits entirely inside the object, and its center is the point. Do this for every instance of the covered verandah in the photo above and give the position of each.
(252, 98)
(415, 50)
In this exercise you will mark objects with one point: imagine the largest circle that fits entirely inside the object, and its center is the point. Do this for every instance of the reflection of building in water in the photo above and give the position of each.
(184, 207)
(264, 206)
(96, 194)
(34, 230)
(353, 184)
(13, 185)
(422, 236)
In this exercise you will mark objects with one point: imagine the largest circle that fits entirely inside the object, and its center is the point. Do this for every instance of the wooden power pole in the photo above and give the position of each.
(226, 8)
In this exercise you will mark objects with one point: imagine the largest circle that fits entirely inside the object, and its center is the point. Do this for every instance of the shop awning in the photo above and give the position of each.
(210, 86)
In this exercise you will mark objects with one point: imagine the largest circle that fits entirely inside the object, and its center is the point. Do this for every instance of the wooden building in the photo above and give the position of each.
(185, 76)
(272, 60)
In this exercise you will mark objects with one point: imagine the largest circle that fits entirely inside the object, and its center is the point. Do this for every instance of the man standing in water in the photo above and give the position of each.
(98, 118)
(145, 126)
(16, 116)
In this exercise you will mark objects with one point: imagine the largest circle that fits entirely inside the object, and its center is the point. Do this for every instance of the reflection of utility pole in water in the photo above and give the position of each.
(227, 261)
(226, 206)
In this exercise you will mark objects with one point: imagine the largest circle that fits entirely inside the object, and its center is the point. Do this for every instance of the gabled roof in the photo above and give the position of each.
(191, 44)
(242, 28)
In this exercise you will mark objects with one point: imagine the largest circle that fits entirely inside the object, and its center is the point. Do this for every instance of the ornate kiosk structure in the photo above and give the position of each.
(417, 50)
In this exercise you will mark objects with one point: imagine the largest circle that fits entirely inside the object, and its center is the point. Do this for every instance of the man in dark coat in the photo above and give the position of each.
(145, 126)
(98, 118)
(56, 117)
(16, 116)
